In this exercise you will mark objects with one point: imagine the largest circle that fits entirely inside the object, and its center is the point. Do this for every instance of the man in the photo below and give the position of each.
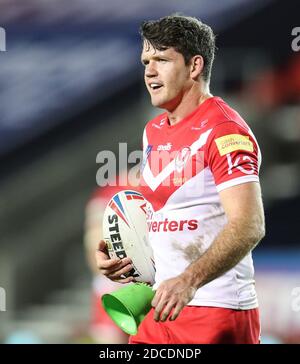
(208, 220)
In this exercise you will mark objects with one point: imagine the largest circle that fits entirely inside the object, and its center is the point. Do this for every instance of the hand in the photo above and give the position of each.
(172, 293)
(112, 268)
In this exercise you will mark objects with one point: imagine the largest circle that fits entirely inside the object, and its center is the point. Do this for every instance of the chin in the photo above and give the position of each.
(159, 104)
(156, 103)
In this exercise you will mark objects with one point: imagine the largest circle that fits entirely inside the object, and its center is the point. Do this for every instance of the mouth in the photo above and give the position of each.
(154, 86)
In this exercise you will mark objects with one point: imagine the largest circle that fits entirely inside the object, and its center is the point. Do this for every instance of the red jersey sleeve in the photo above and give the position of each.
(233, 155)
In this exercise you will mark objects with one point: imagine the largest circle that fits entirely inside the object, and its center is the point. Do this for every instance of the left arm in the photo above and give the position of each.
(245, 228)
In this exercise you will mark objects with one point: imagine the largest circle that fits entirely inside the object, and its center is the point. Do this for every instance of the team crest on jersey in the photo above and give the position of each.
(181, 158)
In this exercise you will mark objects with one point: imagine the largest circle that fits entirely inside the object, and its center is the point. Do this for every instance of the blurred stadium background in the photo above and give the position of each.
(70, 86)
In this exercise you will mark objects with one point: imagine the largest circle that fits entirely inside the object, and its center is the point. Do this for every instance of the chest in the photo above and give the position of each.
(173, 161)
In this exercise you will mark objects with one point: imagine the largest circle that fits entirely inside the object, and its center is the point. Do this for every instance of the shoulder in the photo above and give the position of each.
(221, 114)
(156, 124)
(229, 132)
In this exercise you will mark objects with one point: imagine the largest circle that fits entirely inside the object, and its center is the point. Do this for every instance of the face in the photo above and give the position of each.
(167, 77)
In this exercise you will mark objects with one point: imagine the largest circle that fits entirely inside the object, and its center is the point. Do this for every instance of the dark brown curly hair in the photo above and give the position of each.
(187, 35)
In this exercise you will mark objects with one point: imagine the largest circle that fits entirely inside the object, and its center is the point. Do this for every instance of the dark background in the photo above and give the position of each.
(71, 85)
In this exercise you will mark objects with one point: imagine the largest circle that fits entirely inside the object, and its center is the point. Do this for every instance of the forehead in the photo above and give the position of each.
(149, 51)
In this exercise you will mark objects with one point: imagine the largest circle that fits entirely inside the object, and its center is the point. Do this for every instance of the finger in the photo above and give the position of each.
(116, 267)
(102, 247)
(116, 270)
(176, 311)
(102, 254)
(104, 262)
(124, 280)
(119, 272)
(156, 298)
(159, 307)
(166, 312)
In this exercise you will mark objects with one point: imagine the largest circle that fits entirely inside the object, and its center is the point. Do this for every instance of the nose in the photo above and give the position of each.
(151, 70)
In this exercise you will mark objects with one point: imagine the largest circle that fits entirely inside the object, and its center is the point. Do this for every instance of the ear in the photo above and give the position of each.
(197, 65)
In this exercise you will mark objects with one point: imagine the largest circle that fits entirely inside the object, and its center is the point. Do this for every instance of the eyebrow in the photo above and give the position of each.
(155, 58)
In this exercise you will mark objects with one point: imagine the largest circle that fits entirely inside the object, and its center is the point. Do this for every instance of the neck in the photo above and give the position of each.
(194, 97)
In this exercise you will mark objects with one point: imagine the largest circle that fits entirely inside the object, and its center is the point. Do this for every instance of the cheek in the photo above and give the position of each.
(172, 82)
(176, 84)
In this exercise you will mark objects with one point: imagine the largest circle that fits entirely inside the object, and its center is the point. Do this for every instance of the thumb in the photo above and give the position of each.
(102, 247)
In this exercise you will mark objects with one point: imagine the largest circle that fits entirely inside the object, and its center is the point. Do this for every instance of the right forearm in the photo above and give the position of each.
(231, 245)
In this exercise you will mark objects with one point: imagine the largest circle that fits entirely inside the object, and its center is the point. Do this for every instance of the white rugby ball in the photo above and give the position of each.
(126, 233)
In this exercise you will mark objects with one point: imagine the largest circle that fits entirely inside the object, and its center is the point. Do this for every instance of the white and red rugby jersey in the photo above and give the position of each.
(184, 168)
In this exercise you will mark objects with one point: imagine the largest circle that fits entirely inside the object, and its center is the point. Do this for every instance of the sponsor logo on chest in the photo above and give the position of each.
(172, 225)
